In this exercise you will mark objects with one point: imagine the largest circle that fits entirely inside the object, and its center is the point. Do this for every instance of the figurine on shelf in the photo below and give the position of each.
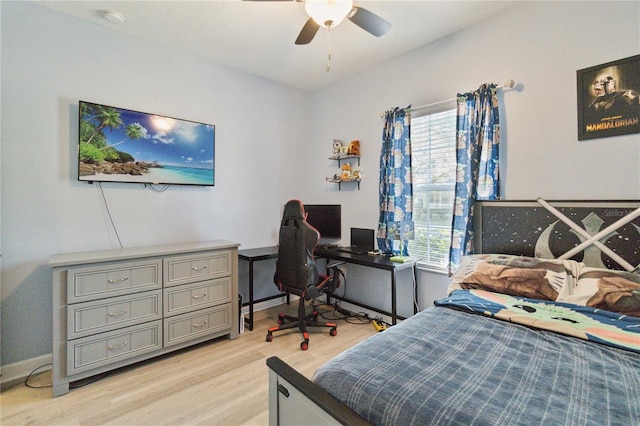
(354, 148)
(337, 144)
(346, 172)
(356, 173)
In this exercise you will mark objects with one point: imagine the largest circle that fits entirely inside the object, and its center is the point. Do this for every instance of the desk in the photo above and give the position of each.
(251, 256)
(371, 261)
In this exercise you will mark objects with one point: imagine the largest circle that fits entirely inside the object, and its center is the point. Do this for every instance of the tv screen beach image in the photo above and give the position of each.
(120, 145)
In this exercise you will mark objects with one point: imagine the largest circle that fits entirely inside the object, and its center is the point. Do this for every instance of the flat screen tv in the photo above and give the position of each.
(120, 145)
(326, 218)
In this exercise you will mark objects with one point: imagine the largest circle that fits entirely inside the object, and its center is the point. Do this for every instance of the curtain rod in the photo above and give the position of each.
(508, 85)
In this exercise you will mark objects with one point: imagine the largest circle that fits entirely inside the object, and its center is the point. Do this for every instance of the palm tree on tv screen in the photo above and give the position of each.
(133, 131)
(107, 117)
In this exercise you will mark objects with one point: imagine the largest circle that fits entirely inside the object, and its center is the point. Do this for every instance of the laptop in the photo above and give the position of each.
(362, 241)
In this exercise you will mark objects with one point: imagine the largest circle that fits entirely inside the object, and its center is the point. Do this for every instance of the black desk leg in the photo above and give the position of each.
(250, 295)
(394, 313)
(415, 290)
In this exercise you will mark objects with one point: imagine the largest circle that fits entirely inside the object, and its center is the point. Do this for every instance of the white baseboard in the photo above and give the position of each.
(20, 370)
(268, 303)
(279, 301)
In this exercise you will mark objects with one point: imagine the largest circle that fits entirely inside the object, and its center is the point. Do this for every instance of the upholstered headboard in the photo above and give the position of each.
(602, 234)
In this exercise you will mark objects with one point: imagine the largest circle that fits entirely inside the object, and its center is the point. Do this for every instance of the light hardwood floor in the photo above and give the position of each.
(220, 383)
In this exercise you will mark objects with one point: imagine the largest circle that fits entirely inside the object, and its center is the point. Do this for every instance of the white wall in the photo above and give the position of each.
(273, 143)
(539, 45)
(49, 62)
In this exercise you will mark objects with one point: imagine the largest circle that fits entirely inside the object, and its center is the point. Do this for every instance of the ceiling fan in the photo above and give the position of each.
(329, 13)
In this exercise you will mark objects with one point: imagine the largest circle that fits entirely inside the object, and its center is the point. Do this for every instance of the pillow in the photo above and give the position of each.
(521, 276)
(614, 291)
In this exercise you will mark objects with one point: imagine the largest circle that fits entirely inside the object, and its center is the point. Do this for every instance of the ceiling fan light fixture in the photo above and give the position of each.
(113, 16)
(328, 13)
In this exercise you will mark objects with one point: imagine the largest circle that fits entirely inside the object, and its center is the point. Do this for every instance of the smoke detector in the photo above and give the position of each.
(112, 16)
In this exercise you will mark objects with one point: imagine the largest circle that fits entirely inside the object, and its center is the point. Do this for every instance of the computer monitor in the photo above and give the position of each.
(326, 218)
(363, 238)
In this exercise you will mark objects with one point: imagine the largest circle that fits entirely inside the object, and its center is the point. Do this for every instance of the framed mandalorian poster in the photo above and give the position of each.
(609, 99)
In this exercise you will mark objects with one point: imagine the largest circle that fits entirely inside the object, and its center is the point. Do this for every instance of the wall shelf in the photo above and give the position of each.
(338, 178)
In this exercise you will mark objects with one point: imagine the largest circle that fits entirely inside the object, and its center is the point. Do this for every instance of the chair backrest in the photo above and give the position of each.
(295, 266)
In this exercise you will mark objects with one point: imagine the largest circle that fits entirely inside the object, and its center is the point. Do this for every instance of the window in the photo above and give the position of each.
(433, 141)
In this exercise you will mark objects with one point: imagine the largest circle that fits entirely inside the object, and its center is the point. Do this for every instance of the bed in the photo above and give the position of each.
(527, 337)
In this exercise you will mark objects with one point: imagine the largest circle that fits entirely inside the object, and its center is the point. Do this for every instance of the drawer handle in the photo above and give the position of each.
(117, 314)
(201, 324)
(199, 296)
(119, 280)
(195, 268)
(114, 347)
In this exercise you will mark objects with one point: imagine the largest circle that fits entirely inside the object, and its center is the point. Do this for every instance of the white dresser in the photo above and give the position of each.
(113, 308)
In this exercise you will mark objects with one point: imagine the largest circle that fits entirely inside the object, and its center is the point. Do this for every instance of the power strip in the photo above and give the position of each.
(378, 324)
(345, 312)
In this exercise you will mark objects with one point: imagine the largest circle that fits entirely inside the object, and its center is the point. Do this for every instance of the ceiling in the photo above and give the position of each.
(258, 36)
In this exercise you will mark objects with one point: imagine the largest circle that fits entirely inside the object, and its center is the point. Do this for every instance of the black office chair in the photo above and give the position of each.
(296, 272)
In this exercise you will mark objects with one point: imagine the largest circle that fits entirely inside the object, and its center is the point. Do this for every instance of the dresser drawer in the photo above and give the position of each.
(190, 297)
(84, 319)
(193, 325)
(191, 268)
(106, 348)
(112, 279)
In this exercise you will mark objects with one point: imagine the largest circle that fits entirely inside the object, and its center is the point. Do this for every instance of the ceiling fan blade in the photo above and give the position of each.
(308, 32)
(369, 21)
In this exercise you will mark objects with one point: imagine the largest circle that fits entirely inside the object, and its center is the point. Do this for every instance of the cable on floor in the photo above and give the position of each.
(26, 381)
(75, 385)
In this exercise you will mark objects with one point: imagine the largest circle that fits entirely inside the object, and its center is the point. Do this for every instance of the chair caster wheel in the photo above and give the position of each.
(304, 346)
(333, 332)
(269, 337)
(280, 321)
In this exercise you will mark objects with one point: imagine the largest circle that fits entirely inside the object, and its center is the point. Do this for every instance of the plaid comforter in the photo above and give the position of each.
(448, 366)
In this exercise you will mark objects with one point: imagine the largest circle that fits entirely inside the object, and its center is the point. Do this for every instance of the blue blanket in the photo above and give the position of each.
(445, 366)
(583, 322)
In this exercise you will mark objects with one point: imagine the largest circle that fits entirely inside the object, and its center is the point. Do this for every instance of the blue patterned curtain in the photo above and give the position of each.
(395, 225)
(477, 156)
